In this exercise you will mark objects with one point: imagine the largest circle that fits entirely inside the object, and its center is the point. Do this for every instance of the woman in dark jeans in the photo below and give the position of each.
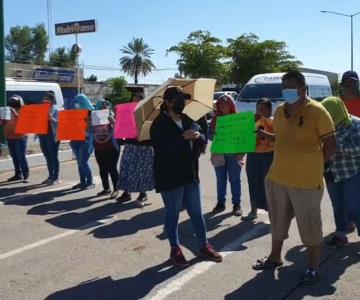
(107, 152)
(16, 142)
(49, 144)
(178, 142)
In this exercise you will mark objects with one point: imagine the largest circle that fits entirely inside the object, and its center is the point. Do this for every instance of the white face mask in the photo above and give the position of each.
(77, 105)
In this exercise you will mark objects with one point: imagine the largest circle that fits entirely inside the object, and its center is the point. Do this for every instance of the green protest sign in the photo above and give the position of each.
(235, 134)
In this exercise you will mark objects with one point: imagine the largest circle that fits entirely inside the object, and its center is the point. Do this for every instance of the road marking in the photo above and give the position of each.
(9, 199)
(176, 283)
(56, 237)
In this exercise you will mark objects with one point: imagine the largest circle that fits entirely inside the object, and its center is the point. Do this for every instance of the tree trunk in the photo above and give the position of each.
(136, 77)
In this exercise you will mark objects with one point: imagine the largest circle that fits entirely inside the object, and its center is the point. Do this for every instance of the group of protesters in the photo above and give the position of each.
(302, 143)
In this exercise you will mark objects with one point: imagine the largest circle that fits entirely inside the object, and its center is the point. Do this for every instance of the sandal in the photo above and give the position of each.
(266, 264)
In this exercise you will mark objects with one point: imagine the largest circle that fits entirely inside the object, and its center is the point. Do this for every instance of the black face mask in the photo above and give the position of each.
(179, 106)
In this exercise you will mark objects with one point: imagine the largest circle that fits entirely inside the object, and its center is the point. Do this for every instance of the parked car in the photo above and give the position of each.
(33, 91)
(269, 86)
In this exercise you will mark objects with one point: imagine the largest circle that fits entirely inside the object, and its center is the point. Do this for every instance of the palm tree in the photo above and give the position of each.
(137, 59)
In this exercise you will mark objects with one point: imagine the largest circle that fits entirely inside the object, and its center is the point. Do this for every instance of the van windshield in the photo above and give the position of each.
(253, 92)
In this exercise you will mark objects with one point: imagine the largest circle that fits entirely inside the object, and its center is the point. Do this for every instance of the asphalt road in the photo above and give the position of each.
(60, 244)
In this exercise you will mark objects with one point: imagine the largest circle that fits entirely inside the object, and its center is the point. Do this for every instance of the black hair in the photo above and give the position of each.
(296, 75)
(50, 95)
(266, 102)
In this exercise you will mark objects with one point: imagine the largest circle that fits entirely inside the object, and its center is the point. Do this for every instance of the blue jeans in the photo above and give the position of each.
(82, 151)
(50, 149)
(17, 149)
(345, 198)
(231, 170)
(189, 196)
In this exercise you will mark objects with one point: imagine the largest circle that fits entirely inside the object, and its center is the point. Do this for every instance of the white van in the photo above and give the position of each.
(33, 91)
(269, 86)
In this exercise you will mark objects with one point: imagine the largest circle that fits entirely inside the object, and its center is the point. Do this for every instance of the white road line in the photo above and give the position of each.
(9, 199)
(55, 237)
(176, 283)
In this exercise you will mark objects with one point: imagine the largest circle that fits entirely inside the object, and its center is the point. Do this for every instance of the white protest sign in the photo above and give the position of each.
(5, 113)
(100, 117)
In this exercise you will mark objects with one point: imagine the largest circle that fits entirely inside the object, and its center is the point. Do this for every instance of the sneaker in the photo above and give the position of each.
(26, 179)
(114, 194)
(337, 242)
(209, 252)
(237, 210)
(88, 187)
(310, 277)
(140, 201)
(219, 208)
(178, 258)
(77, 186)
(125, 197)
(47, 181)
(104, 193)
(15, 178)
(55, 182)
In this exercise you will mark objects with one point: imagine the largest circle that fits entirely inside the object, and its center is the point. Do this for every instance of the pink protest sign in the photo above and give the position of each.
(125, 125)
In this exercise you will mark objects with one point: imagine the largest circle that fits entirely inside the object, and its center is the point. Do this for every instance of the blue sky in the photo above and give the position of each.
(319, 40)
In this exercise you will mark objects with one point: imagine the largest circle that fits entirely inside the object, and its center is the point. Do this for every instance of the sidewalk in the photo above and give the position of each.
(34, 160)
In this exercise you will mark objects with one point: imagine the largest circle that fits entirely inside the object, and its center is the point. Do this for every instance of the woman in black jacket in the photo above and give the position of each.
(178, 142)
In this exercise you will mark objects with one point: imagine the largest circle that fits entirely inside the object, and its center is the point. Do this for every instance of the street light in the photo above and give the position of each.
(352, 30)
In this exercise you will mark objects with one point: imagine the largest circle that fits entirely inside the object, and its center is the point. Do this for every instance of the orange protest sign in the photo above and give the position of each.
(33, 118)
(72, 125)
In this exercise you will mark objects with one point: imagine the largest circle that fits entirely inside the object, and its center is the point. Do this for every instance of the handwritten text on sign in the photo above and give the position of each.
(235, 134)
(72, 125)
(125, 125)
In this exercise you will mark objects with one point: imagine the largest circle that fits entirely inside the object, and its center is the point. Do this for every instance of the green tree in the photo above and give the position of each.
(92, 77)
(201, 55)
(249, 56)
(137, 59)
(62, 57)
(26, 44)
(119, 93)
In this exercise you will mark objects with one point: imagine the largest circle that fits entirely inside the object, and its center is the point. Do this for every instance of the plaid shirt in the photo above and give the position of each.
(346, 161)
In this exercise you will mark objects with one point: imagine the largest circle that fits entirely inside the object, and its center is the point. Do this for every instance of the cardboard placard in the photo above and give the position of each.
(33, 118)
(72, 124)
(235, 134)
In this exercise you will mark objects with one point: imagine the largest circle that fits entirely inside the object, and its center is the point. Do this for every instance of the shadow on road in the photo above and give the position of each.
(129, 288)
(91, 217)
(284, 283)
(141, 221)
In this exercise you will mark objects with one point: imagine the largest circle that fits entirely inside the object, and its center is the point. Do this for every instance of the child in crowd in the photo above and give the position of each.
(226, 166)
(258, 163)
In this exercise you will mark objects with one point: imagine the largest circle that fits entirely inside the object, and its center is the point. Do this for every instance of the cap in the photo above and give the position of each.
(175, 93)
(350, 75)
(16, 98)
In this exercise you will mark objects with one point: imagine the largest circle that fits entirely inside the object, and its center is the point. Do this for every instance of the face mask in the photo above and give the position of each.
(179, 106)
(77, 105)
(291, 96)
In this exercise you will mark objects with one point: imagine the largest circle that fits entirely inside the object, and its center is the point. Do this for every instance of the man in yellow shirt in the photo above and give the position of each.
(304, 141)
